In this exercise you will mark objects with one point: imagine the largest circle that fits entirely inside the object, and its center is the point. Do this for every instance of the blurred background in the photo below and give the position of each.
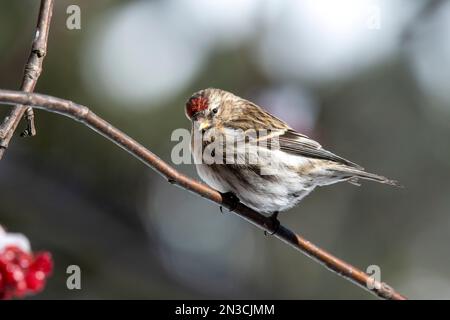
(368, 78)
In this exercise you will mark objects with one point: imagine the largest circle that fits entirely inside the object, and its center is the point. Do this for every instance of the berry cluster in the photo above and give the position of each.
(22, 272)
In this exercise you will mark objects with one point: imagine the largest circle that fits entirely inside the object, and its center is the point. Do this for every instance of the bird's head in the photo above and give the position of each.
(205, 107)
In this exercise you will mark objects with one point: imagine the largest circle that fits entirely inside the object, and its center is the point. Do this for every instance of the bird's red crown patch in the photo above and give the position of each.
(196, 104)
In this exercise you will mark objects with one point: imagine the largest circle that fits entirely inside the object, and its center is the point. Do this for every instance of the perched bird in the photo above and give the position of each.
(301, 164)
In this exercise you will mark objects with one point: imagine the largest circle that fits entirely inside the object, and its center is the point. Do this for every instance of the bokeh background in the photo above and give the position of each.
(369, 78)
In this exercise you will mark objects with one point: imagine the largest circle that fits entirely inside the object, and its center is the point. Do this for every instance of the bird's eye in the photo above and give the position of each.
(215, 110)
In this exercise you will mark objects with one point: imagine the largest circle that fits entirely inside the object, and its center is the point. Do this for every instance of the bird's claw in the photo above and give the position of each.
(274, 223)
(230, 199)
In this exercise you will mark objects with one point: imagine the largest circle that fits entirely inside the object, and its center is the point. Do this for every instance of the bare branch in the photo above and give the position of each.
(87, 117)
(32, 71)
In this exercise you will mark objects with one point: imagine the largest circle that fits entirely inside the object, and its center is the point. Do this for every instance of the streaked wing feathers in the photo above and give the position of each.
(299, 144)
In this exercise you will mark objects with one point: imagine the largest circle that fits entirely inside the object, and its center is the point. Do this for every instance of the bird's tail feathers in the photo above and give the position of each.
(355, 174)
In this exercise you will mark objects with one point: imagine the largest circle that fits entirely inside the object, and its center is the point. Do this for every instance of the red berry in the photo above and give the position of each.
(24, 260)
(9, 253)
(35, 280)
(22, 273)
(43, 262)
(14, 274)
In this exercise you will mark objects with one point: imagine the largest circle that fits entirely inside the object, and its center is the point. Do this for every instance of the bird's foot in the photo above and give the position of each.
(274, 223)
(230, 200)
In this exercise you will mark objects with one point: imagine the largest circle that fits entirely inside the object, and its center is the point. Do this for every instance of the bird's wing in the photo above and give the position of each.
(296, 143)
(289, 140)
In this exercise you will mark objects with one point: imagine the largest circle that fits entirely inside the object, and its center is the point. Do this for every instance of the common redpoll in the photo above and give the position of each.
(275, 168)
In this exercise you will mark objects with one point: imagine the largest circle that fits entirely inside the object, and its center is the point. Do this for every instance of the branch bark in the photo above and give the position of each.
(84, 115)
(32, 71)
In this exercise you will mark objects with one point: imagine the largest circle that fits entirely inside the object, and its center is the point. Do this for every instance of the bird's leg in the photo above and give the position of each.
(274, 222)
(230, 199)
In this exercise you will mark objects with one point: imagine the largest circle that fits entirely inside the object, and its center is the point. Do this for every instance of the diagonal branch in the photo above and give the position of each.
(32, 71)
(88, 118)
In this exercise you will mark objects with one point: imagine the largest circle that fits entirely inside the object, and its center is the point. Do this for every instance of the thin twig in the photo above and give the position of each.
(32, 71)
(87, 117)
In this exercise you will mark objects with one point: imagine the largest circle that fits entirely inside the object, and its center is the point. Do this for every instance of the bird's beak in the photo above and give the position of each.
(204, 125)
